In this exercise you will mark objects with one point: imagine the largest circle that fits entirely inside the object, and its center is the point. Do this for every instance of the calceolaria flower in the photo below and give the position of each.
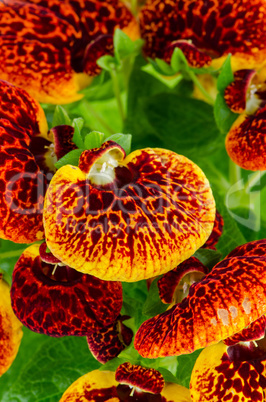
(245, 142)
(127, 218)
(129, 383)
(233, 370)
(53, 299)
(50, 47)
(224, 302)
(206, 31)
(10, 329)
(27, 156)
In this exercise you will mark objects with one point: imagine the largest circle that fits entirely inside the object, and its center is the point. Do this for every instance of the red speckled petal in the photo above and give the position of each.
(155, 212)
(168, 283)
(223, 303)
(101, 46)
(149, 380)
(101, 386)
(235, 374)
(61, 303)
(245, 142)
(22, 183)
(48, 63)
(62, 140)
(108, 342)
(236, 27)
(254, 331)
(235, 95)
(216, 232)
(195, 57)
(10, 329)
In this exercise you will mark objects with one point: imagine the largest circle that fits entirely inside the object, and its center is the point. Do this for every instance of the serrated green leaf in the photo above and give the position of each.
(72, 158)
(124, 140)
(153, 304)
(45, 372)
(78, 124)
(93, 140)
(226, 75)
(208, 257)
(178, 61)
(224, 117)
(107, 62)
(60, 117)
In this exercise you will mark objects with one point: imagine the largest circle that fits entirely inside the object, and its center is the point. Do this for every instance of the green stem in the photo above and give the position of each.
(234, 172)
(196, 81)
(253, 180)
(10, 254)
(117, 93)
(91, 109)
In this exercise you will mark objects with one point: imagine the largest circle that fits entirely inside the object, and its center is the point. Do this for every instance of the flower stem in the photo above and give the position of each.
(197, 82)
(117, 93)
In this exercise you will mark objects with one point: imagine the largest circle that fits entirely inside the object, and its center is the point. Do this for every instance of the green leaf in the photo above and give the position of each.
(162, 67)
(60, 117)
(208, 257)
(168, 376)
(9, 254)
(45, 368)
(153, 304)
(124, 46)
(226, 75)
(124, 140)
(107, 62)
(93, 140)
(78, 124)
(184, 125)
(179, 61)
(224, 117)
(72, 158)
(185, 367)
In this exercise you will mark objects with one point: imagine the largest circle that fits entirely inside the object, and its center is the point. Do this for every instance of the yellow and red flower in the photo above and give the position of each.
(10, 329)
(127, 218)
(51, 298)
(50, 47)
(221, 304)
(206, 31)
(130, 381)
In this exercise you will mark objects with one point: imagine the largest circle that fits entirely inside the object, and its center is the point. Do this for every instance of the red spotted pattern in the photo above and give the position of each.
(22, 180)
(236, 27)
(62, 140)
(195, 57)
(148, 380)
(169, 282)
(107, 343)
(236, 374)
(236, 93)
(223, 303)
(155, 212)
(254, 331)
(216, 232)
(49, 62)
(246, 141)
(94, 51)
(61, 302)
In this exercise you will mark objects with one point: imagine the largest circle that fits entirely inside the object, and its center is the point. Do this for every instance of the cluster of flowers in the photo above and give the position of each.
(117, 218)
